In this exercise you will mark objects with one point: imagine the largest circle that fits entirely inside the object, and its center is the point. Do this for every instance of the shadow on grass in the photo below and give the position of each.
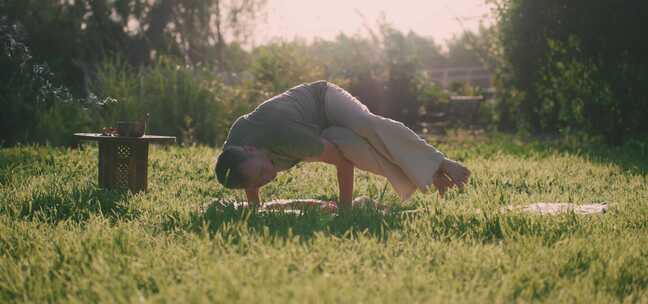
(631, 157)
(428, 224)
(24, 159)
(308, 222)
(24, 155)
(77, 205)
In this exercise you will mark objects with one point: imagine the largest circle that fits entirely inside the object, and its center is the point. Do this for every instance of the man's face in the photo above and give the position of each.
(258, 171)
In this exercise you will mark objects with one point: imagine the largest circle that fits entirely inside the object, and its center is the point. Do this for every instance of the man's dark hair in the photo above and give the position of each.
(228, 167)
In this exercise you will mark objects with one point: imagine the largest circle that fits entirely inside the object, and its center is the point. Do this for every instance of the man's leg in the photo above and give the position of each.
(392, 139)
(365, 157)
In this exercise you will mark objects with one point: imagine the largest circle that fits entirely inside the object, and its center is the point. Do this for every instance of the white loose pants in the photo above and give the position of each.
(380, 145)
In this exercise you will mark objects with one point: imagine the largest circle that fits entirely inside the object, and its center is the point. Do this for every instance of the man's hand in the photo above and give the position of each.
(449, 174)
(442, 182)
(457, 172)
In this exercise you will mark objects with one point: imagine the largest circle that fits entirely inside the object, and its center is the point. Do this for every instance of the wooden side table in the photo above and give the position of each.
(123, 161)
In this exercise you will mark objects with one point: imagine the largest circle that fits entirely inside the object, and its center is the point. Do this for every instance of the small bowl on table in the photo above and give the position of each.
(130, 128)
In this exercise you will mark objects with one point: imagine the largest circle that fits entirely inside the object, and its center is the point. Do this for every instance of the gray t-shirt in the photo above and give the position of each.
(287, 126)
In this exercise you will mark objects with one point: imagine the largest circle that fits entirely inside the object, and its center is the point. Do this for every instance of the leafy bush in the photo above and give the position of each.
(429, 95)
(280, 66)
(574, 66)
(186, 102)
(34, 107)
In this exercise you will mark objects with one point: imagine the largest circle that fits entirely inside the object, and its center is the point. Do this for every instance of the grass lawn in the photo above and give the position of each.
(64, 240)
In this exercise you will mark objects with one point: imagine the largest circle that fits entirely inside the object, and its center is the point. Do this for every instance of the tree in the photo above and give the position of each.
(35, 108)
(473, 48)
(576, 65)
(74, 36)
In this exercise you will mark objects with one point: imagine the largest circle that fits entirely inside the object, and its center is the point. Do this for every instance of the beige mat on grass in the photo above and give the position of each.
(557, 208)
(298, 205)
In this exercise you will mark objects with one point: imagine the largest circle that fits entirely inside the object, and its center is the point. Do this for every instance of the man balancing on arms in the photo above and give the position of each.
(321, 122)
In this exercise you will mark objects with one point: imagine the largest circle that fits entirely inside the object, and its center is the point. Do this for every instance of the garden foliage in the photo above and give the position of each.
(574, 66)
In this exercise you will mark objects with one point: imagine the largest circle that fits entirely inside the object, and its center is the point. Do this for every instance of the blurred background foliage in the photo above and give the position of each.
(573, 66)
(80, 65)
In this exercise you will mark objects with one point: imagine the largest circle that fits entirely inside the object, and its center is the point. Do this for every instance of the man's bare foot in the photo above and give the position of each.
(441, 181)
(457, 172)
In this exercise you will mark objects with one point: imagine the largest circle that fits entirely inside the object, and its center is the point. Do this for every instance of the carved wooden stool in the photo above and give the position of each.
(123, 161)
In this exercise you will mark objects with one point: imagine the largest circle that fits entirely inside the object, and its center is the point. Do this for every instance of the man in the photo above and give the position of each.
(321, 122)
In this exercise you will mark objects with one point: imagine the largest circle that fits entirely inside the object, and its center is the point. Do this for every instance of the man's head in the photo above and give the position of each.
(244, 167)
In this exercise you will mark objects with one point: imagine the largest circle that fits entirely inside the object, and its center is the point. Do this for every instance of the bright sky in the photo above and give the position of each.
(326, 18)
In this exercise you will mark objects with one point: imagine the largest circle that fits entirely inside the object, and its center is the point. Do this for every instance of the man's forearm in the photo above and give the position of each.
(345, 183)
(252, 196)
(331, 155)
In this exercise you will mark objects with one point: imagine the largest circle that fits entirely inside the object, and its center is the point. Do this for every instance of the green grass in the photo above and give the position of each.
(64, 240)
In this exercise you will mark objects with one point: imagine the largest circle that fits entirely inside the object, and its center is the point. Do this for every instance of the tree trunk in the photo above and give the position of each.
(220, 43)
(159, 18)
